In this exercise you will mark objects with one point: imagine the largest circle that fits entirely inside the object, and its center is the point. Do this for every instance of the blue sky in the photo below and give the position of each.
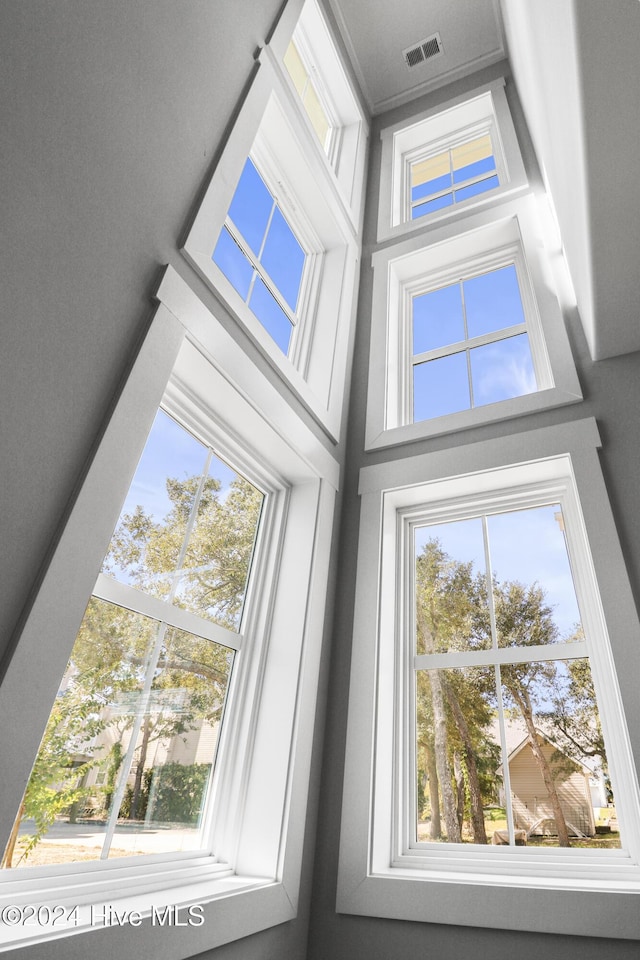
(524, 545)
(476, 307)
(170, 452)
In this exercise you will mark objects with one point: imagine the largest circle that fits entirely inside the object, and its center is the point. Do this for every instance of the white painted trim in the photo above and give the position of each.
(347, 155)
(263, 400)
(499, 887)
(511, 233)
(486, 105)
(271, 122)
(261, 781)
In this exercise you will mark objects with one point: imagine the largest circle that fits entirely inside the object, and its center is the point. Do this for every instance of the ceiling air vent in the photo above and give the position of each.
(422, 51)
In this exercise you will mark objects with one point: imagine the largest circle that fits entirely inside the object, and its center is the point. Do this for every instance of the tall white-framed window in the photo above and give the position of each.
(448, 161)
(466, 329)
(142, 700)
(245, 838)
(314, 68)
(434, 529)
(277, 234)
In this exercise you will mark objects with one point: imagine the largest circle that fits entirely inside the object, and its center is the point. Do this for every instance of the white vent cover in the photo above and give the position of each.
(423, 50)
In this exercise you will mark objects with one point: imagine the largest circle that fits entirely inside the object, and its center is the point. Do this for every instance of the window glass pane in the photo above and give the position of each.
(295, 68)
(475, 188)
(437, 319)
(307, 92)
(532, 577)
(440, 387)
(175, 748)
(145, 548)
(251, 206)
(316, 113)
(451, 587)
(271, 315)
(560, 787)
(216, 566)
(187, 530)
(474, 170)
(502, 370)
(134, 725)
(470, 159)
(492, 301)
(458, 756)
(431, 186)
(431, 169)
(283, 258)
(431, 206)
(233, 263)
(471, 152)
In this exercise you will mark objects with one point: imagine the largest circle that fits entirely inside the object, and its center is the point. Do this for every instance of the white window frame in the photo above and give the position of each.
(247, 878)
(303, 317)
(497, 887)
(483, 110)
(273, 128)
(345, 156)
(492, 238)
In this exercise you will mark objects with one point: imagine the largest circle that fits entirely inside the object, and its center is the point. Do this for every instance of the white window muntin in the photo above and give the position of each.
(469, 134)
(484, 110)
(595, 646)
(303, 318)
(512, 233)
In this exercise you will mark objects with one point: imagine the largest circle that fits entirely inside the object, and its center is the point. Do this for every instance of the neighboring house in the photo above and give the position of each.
(532, 807)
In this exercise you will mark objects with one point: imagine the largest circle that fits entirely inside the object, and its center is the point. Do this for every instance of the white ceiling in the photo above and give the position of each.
(577, 69)
(377, 31)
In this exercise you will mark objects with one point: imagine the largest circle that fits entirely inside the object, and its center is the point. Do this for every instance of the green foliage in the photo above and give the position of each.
(452, 613)
(177, 792)
(90, 722)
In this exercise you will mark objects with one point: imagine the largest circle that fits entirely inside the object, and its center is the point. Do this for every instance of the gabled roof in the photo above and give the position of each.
(517, 739)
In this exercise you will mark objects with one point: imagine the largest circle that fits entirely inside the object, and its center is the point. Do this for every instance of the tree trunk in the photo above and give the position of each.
(442, 762)
(137, 786)
(460, 789)
(7, 860)
(435, 828)
(522, 699)
(475, 793)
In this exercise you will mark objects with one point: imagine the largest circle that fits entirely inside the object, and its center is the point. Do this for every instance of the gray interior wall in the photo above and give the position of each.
(612, 396)
(112, 114)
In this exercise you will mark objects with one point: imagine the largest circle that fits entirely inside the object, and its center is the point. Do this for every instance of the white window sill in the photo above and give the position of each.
(476, 417)
(498, 902)
(203, 911)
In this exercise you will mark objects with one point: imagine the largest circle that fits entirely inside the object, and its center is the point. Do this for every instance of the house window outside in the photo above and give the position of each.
(261, 256)
(470, 345)
(509, 744)
(129, 749)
